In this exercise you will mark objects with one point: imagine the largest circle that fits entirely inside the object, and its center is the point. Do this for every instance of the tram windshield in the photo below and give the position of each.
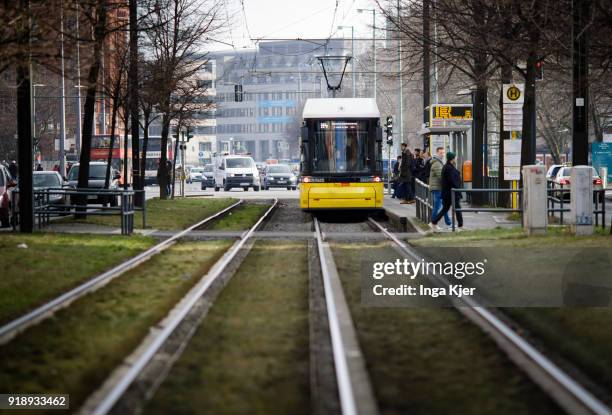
(340, 146)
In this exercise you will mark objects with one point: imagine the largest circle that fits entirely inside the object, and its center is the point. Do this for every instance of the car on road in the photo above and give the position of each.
(280, 175)
(195, 175)
(7, 184)
(97, 176)
(233, 171)
(208, 177)
(563, 177)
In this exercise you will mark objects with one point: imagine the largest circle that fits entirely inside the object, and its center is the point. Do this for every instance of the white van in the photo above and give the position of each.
(236, 171)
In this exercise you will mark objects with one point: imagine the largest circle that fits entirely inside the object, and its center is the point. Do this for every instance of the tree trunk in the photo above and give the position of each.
(112, 143)
(176, 144)
(137, 179)
(24, 129)
(528, 143)
(90, 101)
(163, 182)
(145, 145)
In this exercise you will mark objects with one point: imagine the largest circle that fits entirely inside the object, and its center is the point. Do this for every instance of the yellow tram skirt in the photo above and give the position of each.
(341, 195)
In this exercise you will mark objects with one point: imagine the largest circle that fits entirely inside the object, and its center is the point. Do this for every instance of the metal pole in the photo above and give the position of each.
(374, 47)
(77, 130)
(399, 73)
(62, 138)
(353, 56)
(389, 169)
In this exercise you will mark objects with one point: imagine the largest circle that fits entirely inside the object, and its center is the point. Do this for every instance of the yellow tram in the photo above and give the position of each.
(341, 155)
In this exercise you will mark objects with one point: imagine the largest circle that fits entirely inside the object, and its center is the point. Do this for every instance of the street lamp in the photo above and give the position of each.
(352, 52)
(373, 41)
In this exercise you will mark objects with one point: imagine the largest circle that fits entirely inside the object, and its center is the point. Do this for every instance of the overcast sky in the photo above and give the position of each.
(295, 18)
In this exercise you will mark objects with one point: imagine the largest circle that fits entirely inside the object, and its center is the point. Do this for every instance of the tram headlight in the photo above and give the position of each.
(310, 179)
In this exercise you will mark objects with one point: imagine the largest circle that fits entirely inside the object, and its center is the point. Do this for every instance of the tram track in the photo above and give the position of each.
(46, 310)
(112, 396)
(567, 392)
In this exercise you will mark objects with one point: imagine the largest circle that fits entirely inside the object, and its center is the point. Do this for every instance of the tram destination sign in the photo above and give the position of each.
(449, 115)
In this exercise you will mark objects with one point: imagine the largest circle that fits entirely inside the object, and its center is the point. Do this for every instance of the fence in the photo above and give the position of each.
(423, 201)
(51, 202)
(558, 194)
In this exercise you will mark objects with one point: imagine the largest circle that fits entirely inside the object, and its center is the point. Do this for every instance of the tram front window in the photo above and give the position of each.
(340, 147)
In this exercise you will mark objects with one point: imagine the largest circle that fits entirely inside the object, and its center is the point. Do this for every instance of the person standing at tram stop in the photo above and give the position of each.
(435, 183)
(406, 192)
(395, 177)
(451, 179)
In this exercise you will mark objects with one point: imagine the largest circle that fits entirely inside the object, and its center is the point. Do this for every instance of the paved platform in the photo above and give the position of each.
(404, 216)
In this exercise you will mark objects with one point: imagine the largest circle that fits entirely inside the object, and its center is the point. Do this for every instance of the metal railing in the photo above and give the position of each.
(423, 201)
(484, 209)
(52, 202)
(557, 195)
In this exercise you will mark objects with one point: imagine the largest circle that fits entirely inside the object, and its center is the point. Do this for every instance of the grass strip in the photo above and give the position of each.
(425, 360)
(241, 218)
(75, 351)
(171, 214)
(250, 355)
(575, 333)
(38, 267)
(516, 237)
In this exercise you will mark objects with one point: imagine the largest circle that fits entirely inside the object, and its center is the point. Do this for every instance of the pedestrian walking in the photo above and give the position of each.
(406, 192)
(451, 179)
(435, 183)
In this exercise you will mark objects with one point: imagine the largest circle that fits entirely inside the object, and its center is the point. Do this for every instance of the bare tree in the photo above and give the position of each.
(179, 30)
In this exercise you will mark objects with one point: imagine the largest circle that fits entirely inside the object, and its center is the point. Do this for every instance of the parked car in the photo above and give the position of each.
(97, 175)
(51, 180)
(563, 179)
(553, 170)
(208, 176)
(7, 184)
(280, 175)
(195, 175)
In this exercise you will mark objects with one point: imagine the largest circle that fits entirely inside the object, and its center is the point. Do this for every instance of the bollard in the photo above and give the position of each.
(535, 195)
(581, 200)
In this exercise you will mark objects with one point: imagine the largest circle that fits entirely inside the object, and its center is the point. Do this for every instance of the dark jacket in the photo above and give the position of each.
(406, 166)
(396, 166)
(451, 179)
(419, 168)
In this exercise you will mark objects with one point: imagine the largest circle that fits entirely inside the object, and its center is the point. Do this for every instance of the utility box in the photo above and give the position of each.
(535, 208)
(581, 200)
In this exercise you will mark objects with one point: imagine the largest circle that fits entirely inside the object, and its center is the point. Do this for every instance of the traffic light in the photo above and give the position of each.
(539, 70)
(389, 130)
(238, 93)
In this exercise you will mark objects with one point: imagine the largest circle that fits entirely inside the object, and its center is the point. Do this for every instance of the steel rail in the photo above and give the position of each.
(136, 366)
(11, 329)
(570, 386)
(343, 378)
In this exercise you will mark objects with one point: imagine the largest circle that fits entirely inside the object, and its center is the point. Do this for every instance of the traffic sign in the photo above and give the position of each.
(513, 99)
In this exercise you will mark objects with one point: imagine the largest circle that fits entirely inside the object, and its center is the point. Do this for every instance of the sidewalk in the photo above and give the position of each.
(471, 220)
